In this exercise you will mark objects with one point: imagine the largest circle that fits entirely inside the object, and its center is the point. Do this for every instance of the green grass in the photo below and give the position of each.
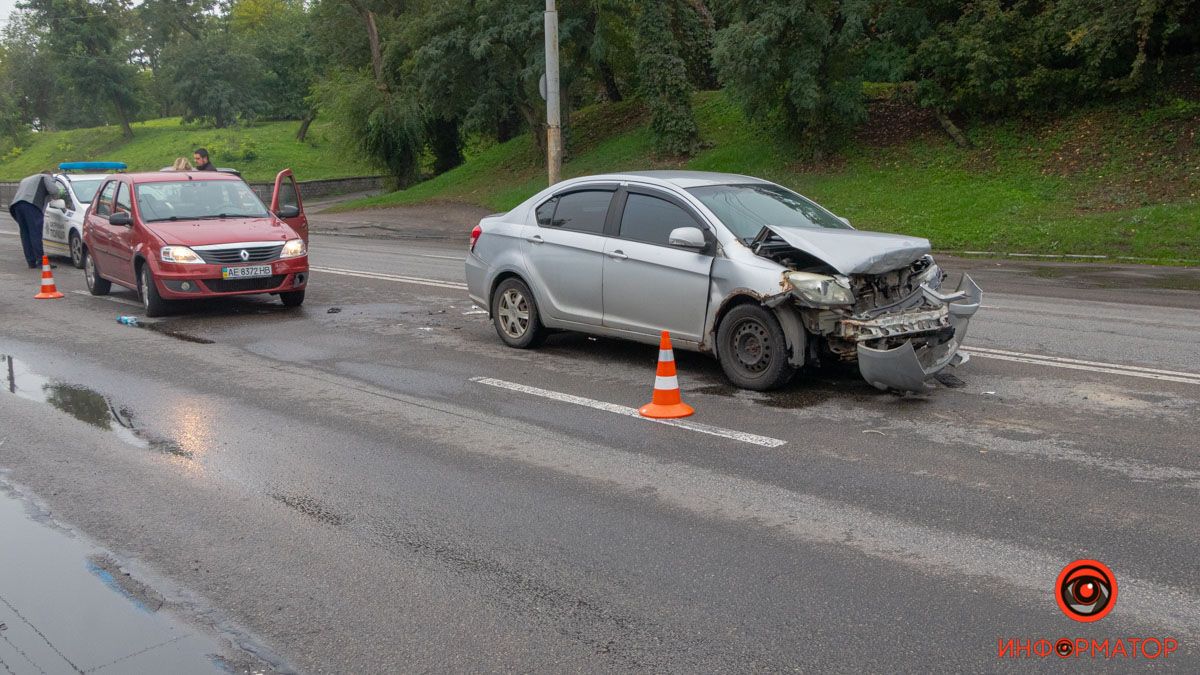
(1109, 180)
(259, 151)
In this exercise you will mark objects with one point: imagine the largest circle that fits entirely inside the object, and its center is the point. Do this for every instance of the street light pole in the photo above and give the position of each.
(553, 113)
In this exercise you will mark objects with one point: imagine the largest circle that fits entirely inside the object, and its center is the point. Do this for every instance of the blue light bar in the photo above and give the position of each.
(92, 166)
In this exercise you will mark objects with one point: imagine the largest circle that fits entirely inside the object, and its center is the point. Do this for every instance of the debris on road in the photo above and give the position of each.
(874, 431)
(334, 310)
(128, 320)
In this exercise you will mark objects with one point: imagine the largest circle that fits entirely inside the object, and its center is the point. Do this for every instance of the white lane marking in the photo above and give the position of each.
(754, 439)
(391, 277)
(1090, 366)
(1102, 364)
(110, 298)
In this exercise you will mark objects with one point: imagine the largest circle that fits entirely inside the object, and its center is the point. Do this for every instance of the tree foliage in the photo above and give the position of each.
(796, 63)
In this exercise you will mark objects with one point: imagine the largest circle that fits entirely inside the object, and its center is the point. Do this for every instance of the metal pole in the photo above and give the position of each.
(553, 113)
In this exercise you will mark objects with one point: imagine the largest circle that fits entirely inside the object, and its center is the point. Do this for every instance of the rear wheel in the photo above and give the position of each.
(151, 300)
(76, 245)
(515, 315)
(292, 298)
(753, 350)
(96, 284)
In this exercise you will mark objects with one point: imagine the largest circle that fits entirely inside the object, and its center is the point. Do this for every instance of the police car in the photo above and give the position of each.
(62, 232)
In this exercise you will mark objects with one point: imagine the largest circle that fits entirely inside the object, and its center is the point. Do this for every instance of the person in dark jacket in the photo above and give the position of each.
(202, 161)
(28, 208)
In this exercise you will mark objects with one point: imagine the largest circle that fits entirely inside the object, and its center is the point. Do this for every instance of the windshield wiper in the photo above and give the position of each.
(173, 218)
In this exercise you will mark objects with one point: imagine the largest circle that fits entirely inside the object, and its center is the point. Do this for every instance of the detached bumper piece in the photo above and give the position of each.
(905, 368)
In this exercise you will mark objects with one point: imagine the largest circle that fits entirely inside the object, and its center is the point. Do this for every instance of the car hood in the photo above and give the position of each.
(228, 231)
(855, 252)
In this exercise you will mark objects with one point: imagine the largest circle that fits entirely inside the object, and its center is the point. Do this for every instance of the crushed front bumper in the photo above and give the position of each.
(906, 368)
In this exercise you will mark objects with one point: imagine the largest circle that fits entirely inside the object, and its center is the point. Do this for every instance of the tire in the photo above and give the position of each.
(152, 302)
(753, 350)
(97, 285)
(75, 243)
(515, 315)
(292, 298)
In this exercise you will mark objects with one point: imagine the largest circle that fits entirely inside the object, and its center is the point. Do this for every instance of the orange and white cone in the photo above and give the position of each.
(666, 403)
(49, 290)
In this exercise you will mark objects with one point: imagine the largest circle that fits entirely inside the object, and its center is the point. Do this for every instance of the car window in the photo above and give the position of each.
(583, 211)
(85, 189)
(651, 219)
(745, 209)
(287, 194)
(104, 202)
(122, 198)
(197, 199)
(66, 194)
(545, 212)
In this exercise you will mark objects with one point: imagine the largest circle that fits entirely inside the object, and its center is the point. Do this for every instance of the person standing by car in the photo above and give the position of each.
(181, 164)
(28, 208)
(202, 161)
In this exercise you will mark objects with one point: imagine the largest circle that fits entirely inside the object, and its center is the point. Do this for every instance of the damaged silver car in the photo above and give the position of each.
(747, 270)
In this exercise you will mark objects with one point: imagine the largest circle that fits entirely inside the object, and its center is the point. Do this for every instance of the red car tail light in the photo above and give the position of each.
(475, 236)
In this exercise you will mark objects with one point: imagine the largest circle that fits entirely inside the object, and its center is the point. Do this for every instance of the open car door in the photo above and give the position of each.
(286, 203)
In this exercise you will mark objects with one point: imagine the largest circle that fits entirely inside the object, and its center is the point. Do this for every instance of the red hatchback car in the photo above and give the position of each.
(196, 234)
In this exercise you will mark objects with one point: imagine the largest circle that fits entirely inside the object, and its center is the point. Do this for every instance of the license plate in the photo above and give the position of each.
(246, 272)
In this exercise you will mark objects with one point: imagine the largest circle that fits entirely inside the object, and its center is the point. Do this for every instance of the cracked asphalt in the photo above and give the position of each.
(333, 488)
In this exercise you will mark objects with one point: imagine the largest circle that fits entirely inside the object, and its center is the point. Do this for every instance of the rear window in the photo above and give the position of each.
(583, 211)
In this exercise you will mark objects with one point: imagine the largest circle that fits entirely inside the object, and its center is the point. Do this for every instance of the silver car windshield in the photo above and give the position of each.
(746, 209)
(198, 199)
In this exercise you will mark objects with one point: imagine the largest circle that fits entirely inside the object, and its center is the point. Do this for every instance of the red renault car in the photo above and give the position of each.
(196, 234)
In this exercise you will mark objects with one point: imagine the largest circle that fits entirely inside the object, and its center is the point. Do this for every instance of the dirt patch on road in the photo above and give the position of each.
(450, 221)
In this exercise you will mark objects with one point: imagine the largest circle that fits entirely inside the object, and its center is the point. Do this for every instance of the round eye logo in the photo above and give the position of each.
(1086, 590)
(1064, 648)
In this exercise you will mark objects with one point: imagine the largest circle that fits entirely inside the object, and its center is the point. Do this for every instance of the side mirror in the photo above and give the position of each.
(59, 204)
(690, 238)
(120, 218)
(288, 211)
(844, 220)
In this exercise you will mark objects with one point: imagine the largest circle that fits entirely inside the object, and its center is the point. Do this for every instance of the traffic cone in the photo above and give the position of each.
(666, 403)
(49, 290)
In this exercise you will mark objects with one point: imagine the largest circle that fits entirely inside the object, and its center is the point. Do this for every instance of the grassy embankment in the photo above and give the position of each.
(1113, 180)
(258, 151)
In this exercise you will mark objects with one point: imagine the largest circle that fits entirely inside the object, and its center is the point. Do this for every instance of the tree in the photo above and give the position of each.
(90, 50)
(663, 76)
(796, 64)
(217, 81)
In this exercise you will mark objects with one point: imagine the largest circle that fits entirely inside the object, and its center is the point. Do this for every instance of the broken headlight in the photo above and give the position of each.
(821, 290)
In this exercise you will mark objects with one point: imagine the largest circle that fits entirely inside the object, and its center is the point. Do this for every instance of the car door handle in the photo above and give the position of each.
(618, 255)
(535, 239)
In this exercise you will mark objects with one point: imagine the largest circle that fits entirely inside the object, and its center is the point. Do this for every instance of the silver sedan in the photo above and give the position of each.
(741, 268)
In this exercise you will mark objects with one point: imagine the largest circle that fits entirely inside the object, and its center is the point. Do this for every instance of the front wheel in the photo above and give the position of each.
(76, 245)
(151, 300)
(515, 315)
(292, 298)
(753, 350)
(97, 285)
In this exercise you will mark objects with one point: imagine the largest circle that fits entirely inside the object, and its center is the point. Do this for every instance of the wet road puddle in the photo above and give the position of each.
(82, 403)
(67, 606)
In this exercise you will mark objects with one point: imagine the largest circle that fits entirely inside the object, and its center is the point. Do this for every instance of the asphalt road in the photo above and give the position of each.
(373, 483)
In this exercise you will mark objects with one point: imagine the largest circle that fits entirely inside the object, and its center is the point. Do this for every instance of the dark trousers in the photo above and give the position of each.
(29, 220)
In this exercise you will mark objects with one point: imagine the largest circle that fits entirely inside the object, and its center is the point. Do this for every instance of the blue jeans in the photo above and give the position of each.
(29, 220)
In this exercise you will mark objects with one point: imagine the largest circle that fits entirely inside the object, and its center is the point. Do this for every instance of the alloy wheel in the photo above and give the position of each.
(514, 313)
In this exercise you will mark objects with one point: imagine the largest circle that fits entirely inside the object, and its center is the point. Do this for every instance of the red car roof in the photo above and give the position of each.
(167, 176)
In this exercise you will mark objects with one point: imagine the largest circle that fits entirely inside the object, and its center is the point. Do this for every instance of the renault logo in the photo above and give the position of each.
(245, 255)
